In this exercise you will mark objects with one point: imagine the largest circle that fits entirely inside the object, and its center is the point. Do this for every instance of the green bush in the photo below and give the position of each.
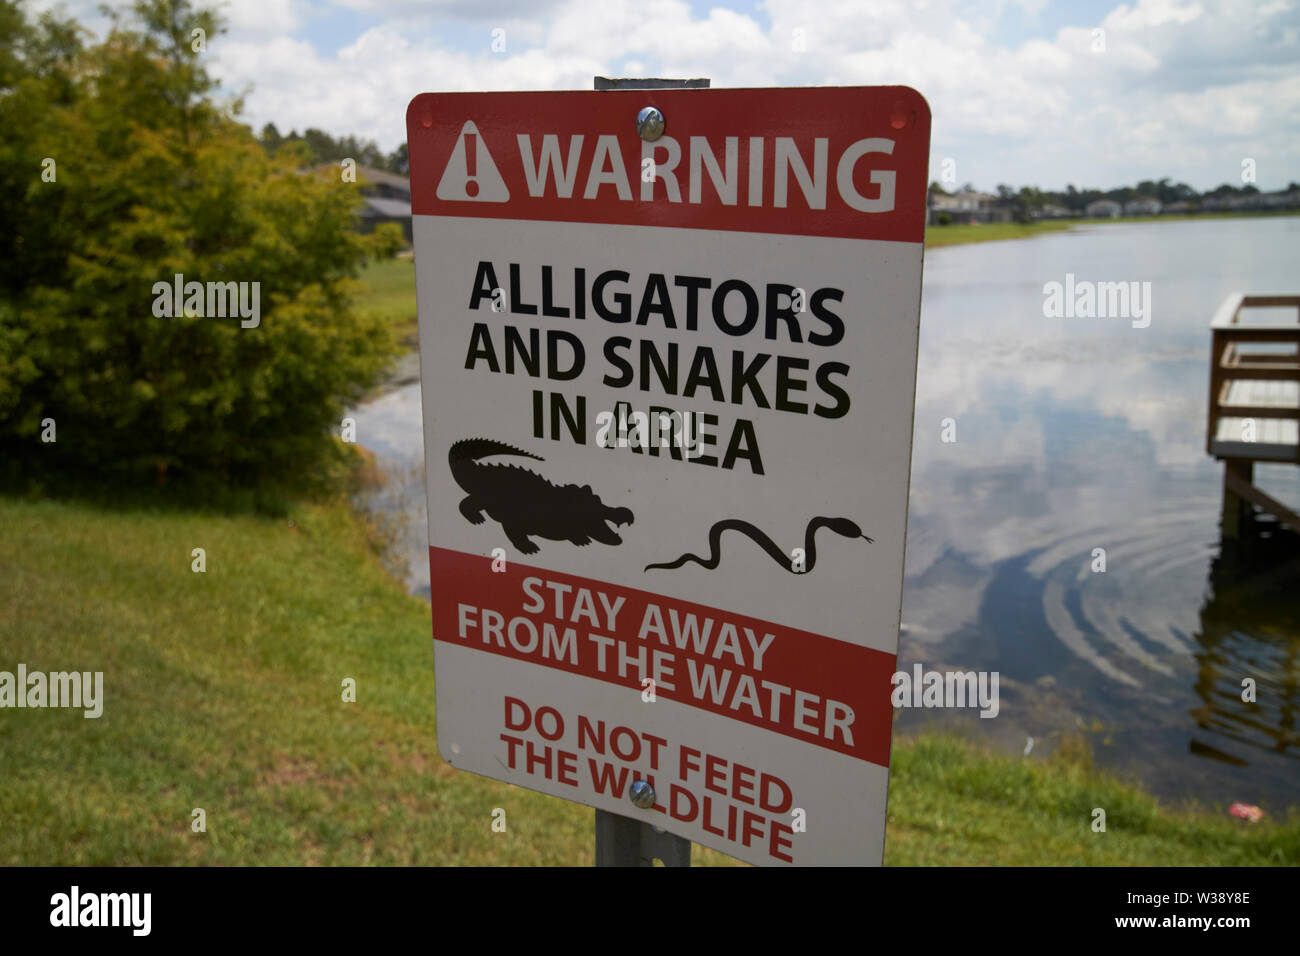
(154, 176)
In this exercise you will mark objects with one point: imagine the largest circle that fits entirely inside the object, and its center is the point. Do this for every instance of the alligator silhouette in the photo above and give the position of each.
(525, 503)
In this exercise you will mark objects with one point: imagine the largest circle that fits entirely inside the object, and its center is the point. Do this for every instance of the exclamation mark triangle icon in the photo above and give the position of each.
(470, 174)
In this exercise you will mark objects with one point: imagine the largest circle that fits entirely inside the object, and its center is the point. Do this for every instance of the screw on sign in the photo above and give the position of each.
(744, 266)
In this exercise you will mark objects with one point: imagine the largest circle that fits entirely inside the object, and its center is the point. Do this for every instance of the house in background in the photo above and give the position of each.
(1290, 199)
(1103, 209)
(1052, 211)
(970, 206)
(1143, 206)
(388, 199)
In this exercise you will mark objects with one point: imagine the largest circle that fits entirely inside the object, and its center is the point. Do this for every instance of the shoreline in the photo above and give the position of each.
(938, 237)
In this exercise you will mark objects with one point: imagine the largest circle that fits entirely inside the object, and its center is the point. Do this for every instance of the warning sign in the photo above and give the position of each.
(668, 390)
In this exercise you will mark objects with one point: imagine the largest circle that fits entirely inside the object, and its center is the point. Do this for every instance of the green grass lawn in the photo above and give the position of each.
(223, 692)
(950, 803)
(389, 290)
(954, 235)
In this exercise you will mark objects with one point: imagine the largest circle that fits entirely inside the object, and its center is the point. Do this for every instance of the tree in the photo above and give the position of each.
(399, 161)
(1031, 197)
(37, 79)
(156, 177)
(320, 147)
(270, 137)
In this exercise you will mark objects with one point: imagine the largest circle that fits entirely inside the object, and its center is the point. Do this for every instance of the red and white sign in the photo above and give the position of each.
(668, 392)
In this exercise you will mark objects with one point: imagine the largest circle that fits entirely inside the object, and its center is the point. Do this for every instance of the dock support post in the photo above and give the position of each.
(1236, 510)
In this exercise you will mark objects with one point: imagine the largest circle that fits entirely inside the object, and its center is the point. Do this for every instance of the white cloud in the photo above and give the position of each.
(1151, 13)
(1182, 87)
(262, 16)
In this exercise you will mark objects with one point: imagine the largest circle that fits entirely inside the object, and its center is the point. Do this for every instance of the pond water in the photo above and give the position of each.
(1071, 435)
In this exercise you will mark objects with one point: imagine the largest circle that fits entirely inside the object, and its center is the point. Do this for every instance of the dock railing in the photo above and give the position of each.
(1255, 392)
(1254, 401)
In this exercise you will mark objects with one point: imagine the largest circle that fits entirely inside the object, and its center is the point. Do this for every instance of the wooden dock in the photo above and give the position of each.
(1254, 404)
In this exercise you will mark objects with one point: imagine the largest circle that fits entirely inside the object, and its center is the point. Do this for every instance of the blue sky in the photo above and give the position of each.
(1024, 92)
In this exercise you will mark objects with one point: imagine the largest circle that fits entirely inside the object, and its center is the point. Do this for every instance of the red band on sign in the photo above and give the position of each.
(847, 162)
(814, 688)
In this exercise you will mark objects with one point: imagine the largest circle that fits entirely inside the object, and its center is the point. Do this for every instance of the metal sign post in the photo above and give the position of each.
(622, 841)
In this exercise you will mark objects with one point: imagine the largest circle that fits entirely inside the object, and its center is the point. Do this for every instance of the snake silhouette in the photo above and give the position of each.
(841, 526)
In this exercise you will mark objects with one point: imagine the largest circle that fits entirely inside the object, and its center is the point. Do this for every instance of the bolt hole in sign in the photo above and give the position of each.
(667, 391)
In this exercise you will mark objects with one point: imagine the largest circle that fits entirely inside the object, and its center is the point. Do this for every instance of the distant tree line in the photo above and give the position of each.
(1072, 198)
(321, 147)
